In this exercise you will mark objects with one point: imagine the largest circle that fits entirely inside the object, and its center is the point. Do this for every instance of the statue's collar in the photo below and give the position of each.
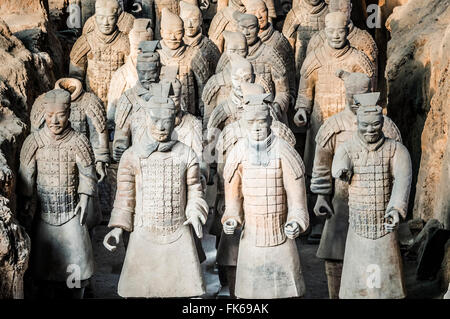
(147, 149)
(173, 53)
(194, 41)
(254, 47)
(370, 146)
(57, 138)
(106, 39)
(266, 34)
(313, 9)
(337, 53)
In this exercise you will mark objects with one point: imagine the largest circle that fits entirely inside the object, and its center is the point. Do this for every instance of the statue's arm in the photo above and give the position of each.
(322, 181)
(342, 166)
(233, 194)
(196, 202)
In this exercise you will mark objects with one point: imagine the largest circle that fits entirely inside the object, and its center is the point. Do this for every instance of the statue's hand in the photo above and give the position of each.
(82, 208)
(345, 175)
(392, 220)
(100, 167)
(196, 220)
(116, 233)
(301, 118)
(292, 230)
(5, 174)
(230, 226)
(323, 206)
(277, 110)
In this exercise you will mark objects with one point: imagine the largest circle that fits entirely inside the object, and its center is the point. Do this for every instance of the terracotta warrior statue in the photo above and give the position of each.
(274, 39)
(158, 210)
(378, 171)
(87, 116)
(359, 39)
(224, 20)
(265, 195)
(58, 163)
(126, 76)
(304, 19)
(332, 195)
(192, 67)
(96, 55)
(156, 8)
(192, 20)
(124, 21)
(320, 95)
(129, 117)
(234, 129)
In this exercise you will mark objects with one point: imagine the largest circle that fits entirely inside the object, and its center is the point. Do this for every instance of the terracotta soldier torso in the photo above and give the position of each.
(302, 21)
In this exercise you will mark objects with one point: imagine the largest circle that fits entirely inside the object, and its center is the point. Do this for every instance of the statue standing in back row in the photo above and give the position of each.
(124, 21)
(58, 162)
(332, 195)
(378, 170)
(95, 56)
(159, 195)
(305, 18)
(265, 194)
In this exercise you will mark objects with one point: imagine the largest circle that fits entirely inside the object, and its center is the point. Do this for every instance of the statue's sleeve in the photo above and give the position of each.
(290, 27)
(122, 133)
(98, 133)
(322, 181)
(27, 170)
(116, 89)
(233, 188)
(341, 160)
(78, 58)
(294, 184)
(125, 200)
(87, 177)
(281, 81)
(196, 203)
(402, 173)
(306, 89)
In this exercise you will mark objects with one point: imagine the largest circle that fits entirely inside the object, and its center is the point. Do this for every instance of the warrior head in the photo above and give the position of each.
(141, 31)
(106, 15)
(161, 110)
(248, 25)
(355, 83)
(57, 110)
(259, 9)
(172, 29)
(72, 85)
(370, 117)
(257, 111)
(148, 64)
(235, 42)
(241, 72)
(336, 29)
(192, 19)
(344, 6)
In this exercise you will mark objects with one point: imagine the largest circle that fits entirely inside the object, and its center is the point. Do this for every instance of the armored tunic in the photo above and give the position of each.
(60, 168)
(263, 197)
(359, 39)
(320, 94)
(207, 49)
(192, 74)
(123, 79)
(124, 23)
(154, 209)
(381, 181)
(335, 131)
(96, 57)
(224, 21)
(299, 26)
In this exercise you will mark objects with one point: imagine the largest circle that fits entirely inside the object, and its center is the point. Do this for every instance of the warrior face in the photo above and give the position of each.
(239, 76)
(172, 37)
(313, 2)
(57, 116)
(106, 16)
(259, 9)
(162, 123)
(249, 26)
(192, 20)
(370, 125)
(258, 124)
(148, 73)
(336, 29)
(237, 47)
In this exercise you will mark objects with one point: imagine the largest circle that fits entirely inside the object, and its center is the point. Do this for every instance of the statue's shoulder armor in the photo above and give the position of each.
(391, 130)
(218, 115)
(291, 158)
(272, 56)
(332, 126)
(282, 131)
(37, 114)
(229, 136)
(218, 24)
(80, 49)
(89, 25)
(95, 111)
(125, 22)
(234, 159)
(364, 62)
(29, 148)
(124, 107)
(366, 41)
(211, 49)
(291, 23)
(312, 62)
(223, 61)
(83, 148)
(199, 64)
(316, 41)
